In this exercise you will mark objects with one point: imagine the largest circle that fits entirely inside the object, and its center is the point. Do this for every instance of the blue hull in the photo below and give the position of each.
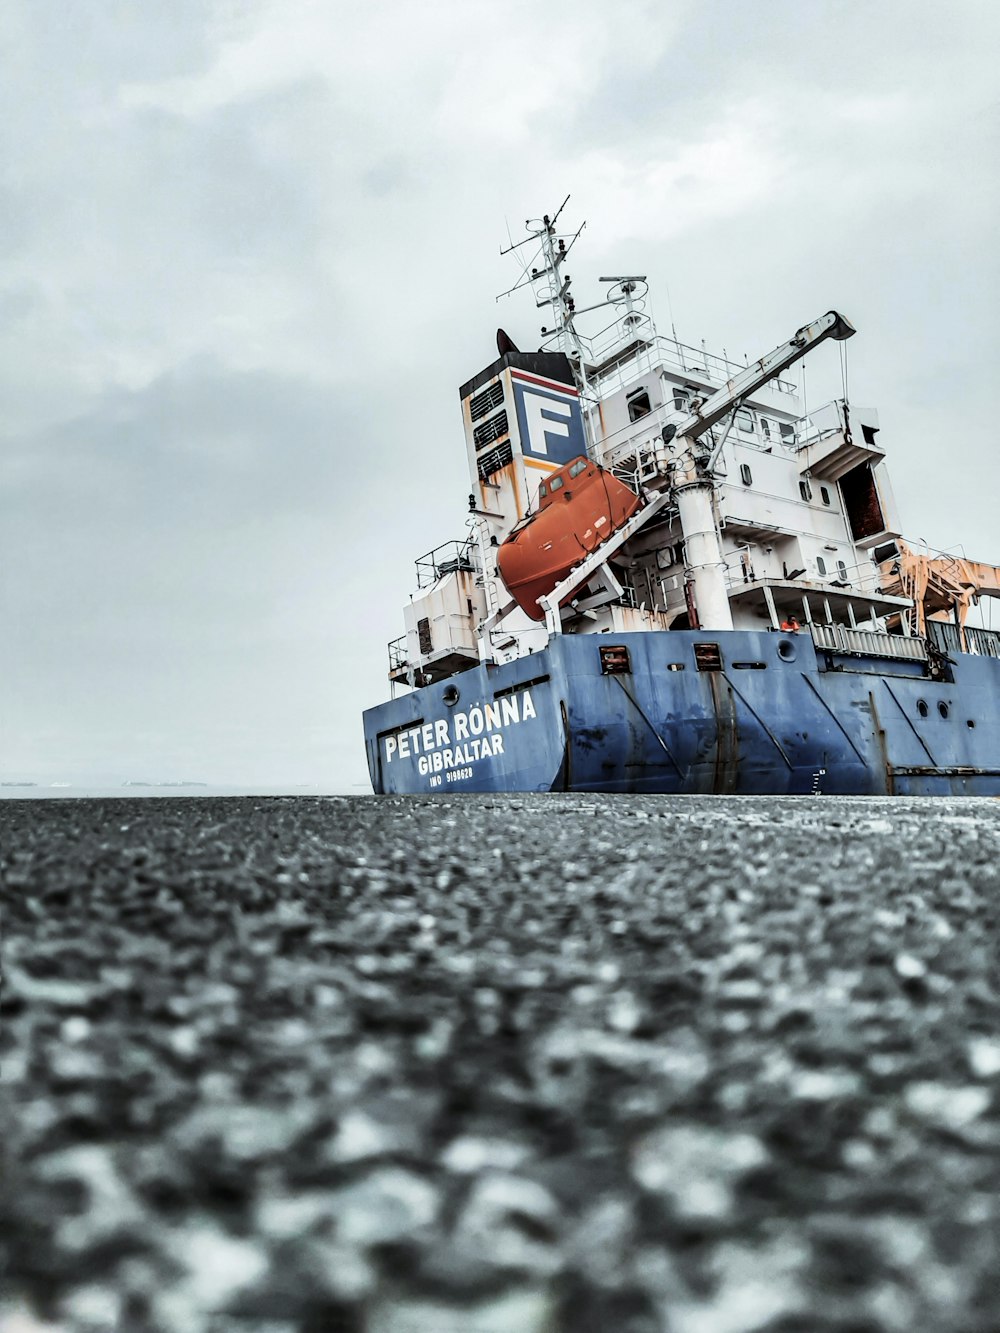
(767, 714)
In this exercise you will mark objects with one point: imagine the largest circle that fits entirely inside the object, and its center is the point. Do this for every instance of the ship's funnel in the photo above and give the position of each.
(522, 421)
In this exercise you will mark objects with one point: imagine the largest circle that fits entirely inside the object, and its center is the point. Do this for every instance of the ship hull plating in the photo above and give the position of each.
(742, 712)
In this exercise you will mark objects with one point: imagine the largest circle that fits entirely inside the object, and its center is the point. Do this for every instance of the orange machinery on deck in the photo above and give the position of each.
(579, 507)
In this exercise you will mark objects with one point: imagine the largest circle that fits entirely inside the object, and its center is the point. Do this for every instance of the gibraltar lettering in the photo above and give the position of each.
(454, 743)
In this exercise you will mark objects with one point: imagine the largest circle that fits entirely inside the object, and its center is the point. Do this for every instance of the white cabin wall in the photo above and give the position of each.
(452, 607)
(662, 383)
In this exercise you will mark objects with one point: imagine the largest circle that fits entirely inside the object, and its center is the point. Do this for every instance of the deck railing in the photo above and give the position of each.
(946, 637)
(397, 653)
(869, 643)
(444, 559)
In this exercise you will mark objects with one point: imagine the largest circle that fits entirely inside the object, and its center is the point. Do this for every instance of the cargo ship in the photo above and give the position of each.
(673, 579)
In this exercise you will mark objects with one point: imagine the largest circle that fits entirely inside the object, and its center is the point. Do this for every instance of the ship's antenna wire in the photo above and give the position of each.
(559, 210)
(670, 312)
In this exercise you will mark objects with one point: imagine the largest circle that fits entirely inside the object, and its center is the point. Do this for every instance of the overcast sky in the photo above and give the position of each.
(249, 250)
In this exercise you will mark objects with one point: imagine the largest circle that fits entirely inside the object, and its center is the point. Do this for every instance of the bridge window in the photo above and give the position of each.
(746, 476)
(744, 420)
(805, 490)
(639, 406)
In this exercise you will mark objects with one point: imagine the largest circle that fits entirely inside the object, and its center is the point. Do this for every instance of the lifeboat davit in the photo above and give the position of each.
(579, 507)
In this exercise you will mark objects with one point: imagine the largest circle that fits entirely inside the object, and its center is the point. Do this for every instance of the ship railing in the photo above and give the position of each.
(601, 346)
(644, 435)
(739, 565)
(397, 653)
(830, 419)
(947, 638)
(868, 643)
(718, 369)
(444, 559)
(861, 577)
(654, 349)
(642, 440)
(982, 642)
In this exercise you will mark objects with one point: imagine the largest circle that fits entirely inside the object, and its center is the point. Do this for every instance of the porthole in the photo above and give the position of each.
(970, 724)
(786, 650)
(922, 707)
(450, 695)
(942, 708)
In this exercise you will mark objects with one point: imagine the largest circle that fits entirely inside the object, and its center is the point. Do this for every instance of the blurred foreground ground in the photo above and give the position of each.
(560, 1064)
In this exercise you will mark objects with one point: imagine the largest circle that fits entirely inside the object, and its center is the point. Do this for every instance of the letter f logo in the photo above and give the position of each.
(541, 417)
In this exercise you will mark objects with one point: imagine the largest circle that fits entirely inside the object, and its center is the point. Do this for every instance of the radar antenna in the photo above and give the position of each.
(629, 291)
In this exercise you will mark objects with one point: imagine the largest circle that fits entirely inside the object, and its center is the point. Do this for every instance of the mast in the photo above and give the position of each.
(551, 287)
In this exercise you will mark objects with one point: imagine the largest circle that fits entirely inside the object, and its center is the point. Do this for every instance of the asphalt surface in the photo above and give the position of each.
(563, 1064)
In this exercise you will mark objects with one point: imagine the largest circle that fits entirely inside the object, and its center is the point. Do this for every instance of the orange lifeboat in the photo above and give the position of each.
(579, 507)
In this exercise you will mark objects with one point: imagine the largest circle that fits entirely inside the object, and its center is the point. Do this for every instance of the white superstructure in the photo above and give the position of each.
(755, 514)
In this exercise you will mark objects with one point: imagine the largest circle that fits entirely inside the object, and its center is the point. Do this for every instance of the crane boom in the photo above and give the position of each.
(734, 391)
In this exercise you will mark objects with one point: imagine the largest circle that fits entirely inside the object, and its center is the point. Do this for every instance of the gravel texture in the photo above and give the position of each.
(560, 1064)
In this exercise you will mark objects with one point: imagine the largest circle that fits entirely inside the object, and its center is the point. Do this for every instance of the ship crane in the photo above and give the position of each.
(685, 478)
(940, 585)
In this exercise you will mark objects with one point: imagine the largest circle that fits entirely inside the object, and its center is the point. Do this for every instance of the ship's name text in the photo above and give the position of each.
(448, 743)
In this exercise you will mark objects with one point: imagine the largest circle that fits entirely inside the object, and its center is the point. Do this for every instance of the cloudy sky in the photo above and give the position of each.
(249, 250)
